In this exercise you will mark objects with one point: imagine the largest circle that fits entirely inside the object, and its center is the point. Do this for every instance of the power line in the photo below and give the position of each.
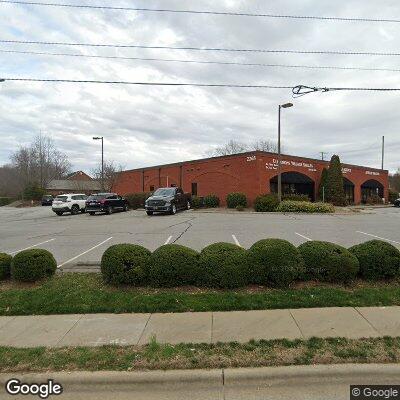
(133, 46)
(295, 89)
(146, 83)
(204, 12)
(199, 61)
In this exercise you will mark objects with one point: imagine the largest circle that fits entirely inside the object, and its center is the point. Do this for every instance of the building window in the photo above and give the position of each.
(194, 188)
(152, 188)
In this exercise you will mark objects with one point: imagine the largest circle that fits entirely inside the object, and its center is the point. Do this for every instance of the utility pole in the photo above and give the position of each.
(383, 150)
(286, 105)
(102, 159)
(322, 155)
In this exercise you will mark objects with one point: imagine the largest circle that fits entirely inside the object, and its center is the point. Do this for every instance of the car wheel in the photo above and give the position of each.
(173, 209)
(149, 212)
(59, 213)
(188, 205)
(74, 210)
(109, 210)
(92, 213)
(83, 210)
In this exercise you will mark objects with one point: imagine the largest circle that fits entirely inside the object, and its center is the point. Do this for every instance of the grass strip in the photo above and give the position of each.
(155, 356)
(86, 293)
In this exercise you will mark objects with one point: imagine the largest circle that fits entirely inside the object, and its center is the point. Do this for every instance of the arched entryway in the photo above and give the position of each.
(371, 188)
(294, 183)
(348, 190)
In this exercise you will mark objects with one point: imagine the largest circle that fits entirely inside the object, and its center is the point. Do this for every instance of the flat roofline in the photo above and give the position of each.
(247, 153)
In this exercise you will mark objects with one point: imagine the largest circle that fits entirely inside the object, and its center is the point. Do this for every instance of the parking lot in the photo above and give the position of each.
(81, 240)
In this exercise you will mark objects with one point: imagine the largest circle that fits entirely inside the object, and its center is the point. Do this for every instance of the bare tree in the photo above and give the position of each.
(40, 162)
(236, 147)
(265, 145)
(111, 172)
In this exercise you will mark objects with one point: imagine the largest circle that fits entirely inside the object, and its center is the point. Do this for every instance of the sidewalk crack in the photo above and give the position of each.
(298, 326)
(70, 329)
(369, 323)
(145, 326)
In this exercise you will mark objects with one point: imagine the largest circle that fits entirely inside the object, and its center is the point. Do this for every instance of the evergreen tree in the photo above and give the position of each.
(334, 189)
(322, 184)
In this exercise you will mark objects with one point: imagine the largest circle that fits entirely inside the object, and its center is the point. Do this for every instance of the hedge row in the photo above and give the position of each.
(28, 265)
(4, 201)
(209, 201)
(272, 262)
(270, 202)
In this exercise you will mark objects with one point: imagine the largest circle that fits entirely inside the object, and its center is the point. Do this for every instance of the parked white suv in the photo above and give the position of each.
(73, 203)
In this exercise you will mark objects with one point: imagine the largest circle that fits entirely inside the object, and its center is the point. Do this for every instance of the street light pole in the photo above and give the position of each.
(286, 105)
(102, 160)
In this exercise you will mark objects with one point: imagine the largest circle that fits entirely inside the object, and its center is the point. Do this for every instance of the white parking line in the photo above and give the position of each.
(30, 247)
(236, 241)
(304, 237)
(378, 237)
(85, 252)
(168, 240)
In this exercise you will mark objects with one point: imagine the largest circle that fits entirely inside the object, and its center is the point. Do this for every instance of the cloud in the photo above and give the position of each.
(152, 125)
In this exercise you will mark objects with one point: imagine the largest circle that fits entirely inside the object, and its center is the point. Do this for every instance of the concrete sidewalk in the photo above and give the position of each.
(207, 327)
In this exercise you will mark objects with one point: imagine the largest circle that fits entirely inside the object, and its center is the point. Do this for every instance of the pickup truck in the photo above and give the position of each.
(167, 200)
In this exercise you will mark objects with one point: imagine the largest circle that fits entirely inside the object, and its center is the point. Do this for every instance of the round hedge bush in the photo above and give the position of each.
(33, 265)
(328, 262)
(236, 199)
(174, 265)
(274, 262)
(211, 201)
(378, 259)
(125, 264)
(5, 266)
(223, 265)
(265, 203)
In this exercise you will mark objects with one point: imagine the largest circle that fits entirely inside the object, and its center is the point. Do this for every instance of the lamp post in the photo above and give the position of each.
(102, 159)
(286, 105)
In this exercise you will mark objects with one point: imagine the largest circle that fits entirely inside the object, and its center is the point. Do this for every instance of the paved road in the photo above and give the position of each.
(316, 382)
(200, 327)
(84, 238)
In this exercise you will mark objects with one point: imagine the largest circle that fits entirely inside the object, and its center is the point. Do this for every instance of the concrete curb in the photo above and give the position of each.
(225, 377)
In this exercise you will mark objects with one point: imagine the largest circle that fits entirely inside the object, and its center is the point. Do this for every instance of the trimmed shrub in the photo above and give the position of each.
(236, 199)
(393, 196)
(211, 201)
(125, 264)
(32, 265)
(197, 202)
(378, 259)
(5, 266)
(305, 207)
(323, 185)
(275, 262)
(223, 265)
(328, 262)
(266, 202)
(174, 265)
(136, 200)
(295, 197)
(374, 199)
(4, 201)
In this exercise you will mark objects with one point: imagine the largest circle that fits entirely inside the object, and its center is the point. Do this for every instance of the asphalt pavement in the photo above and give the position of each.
(83, 238)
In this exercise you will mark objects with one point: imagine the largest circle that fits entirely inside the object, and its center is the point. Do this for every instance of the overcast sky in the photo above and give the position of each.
(144, 126)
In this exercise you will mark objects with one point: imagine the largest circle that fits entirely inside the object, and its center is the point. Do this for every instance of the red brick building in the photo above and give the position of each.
(252, 173)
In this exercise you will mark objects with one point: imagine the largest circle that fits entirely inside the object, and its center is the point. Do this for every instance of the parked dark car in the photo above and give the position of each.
(105, 202)
(47, 200)
(167, 200)
(397, 202)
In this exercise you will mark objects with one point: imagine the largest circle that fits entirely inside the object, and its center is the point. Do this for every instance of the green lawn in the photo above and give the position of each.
(86, 293)
(188, 356)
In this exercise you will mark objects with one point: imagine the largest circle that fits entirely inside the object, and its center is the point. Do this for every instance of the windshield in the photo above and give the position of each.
(62, 198)
(97, 197)
(164, 192)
